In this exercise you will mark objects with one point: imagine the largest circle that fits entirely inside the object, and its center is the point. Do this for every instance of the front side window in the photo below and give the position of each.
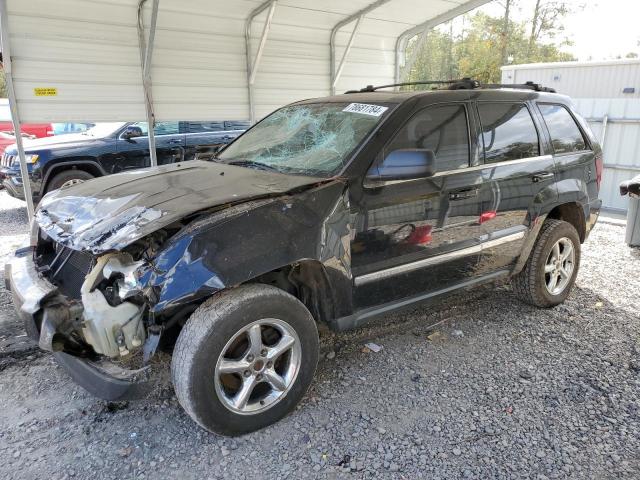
(161, 128)
(508, 132)
(310, 139)
(566, 137)
(441, 129)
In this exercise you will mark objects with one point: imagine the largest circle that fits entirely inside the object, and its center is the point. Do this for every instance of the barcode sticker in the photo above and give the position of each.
(366, 109)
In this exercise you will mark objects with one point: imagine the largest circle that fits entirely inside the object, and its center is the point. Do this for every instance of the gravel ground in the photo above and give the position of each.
(481, 386)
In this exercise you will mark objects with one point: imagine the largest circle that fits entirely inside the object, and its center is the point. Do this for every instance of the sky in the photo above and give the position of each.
(599, 29)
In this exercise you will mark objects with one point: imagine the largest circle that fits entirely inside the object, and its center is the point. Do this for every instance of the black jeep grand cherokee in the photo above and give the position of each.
(329, 210)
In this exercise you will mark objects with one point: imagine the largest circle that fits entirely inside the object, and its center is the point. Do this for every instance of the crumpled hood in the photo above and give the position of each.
(111, 212)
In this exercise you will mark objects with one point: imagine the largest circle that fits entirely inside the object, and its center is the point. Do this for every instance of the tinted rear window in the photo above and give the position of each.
(220, 126)
(566, 137)
(508, 132)
(200, 127)
(236, 124)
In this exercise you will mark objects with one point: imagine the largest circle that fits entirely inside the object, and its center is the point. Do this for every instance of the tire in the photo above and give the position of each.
(67, 176)
(531, 284)
(223, 324)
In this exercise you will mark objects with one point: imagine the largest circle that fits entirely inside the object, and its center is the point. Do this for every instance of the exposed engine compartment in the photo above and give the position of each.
(104, 294)
(112, 330)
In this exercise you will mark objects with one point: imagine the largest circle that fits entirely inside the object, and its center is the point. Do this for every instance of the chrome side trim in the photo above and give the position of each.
(384, 183)
(445, 257)
(410, 267)
(496, 242)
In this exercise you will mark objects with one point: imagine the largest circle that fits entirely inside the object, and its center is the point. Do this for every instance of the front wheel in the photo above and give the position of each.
(550, 272)
(67, 178)
(244, 359)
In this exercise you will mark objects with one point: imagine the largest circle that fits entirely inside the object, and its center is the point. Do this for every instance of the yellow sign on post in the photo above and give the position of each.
(45, 92)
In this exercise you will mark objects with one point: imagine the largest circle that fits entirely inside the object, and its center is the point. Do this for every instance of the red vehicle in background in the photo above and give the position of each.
(8, 138)
(37, 130)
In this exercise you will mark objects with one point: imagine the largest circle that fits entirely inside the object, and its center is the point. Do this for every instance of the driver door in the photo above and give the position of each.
(420, 235)
(134, 152)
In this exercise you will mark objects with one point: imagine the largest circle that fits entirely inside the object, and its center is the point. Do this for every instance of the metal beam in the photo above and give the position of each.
(13, 105)
(423, 29)
(416, 49)
(334, 74)
(252, 66)
(146, 54)
(338, 72)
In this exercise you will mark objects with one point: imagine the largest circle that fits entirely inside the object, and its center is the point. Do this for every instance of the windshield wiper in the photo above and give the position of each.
(252, 164)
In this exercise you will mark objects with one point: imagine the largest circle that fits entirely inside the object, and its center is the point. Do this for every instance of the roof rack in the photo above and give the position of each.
(461, 84)
(451, 83)
(522, 86)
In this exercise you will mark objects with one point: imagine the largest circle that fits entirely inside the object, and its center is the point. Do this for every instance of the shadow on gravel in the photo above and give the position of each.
(14, 221)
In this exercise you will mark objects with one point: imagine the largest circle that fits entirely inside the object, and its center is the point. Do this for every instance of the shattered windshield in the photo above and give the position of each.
(312, 139)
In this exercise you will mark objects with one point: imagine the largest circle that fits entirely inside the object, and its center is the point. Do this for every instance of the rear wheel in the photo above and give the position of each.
(68, 178)
(244, 359)
(550, 272)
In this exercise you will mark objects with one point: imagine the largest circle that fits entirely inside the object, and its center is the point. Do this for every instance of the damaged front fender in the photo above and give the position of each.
(242, 242)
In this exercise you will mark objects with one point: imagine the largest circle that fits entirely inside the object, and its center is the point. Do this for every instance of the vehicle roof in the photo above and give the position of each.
(387, 96)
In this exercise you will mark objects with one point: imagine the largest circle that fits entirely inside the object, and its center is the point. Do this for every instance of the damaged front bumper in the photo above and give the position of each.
(43, 309)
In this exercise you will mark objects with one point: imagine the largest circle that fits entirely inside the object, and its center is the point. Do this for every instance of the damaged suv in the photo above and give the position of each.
(331, 210)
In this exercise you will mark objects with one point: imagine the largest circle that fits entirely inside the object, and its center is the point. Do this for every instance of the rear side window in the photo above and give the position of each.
(442, 129)
(202, 127)
(236, 125)
(566, 137)
(508, 132)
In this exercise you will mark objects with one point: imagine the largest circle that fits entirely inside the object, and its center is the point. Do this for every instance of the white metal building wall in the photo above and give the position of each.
(581, 79)
(87, 50)
(597, 91)
(93, 60)
(621, 143)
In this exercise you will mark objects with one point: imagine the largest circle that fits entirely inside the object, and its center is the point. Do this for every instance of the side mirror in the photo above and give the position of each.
(631, 187)
(404, 165)
(132, 132)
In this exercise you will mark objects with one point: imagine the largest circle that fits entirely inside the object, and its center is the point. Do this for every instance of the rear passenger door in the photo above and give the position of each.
(205, 139)
(573, 155)
(518, 177)
(420, 235)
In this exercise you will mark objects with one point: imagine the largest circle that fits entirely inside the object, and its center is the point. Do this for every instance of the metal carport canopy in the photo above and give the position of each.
(99, 60)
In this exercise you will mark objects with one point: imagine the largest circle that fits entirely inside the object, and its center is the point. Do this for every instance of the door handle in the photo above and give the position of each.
(175, 142)
(463, 194)
(539, 177)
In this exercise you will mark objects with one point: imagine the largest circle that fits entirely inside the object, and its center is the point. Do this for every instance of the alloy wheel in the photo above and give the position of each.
(559, 266)
(258, 366)
(73, 181)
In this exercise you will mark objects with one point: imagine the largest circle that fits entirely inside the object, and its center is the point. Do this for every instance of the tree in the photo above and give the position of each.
(481, 47)
(3, 85)
(546, 20)
(505, 31)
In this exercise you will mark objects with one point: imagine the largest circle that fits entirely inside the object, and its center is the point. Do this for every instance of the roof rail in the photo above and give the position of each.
(371, 88)
(461, 84)
(523, 86)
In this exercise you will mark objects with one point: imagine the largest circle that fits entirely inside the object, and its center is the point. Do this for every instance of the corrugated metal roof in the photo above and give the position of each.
(87, 50)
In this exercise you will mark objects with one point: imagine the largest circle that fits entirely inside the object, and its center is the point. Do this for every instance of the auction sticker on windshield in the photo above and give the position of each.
(365, 108)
